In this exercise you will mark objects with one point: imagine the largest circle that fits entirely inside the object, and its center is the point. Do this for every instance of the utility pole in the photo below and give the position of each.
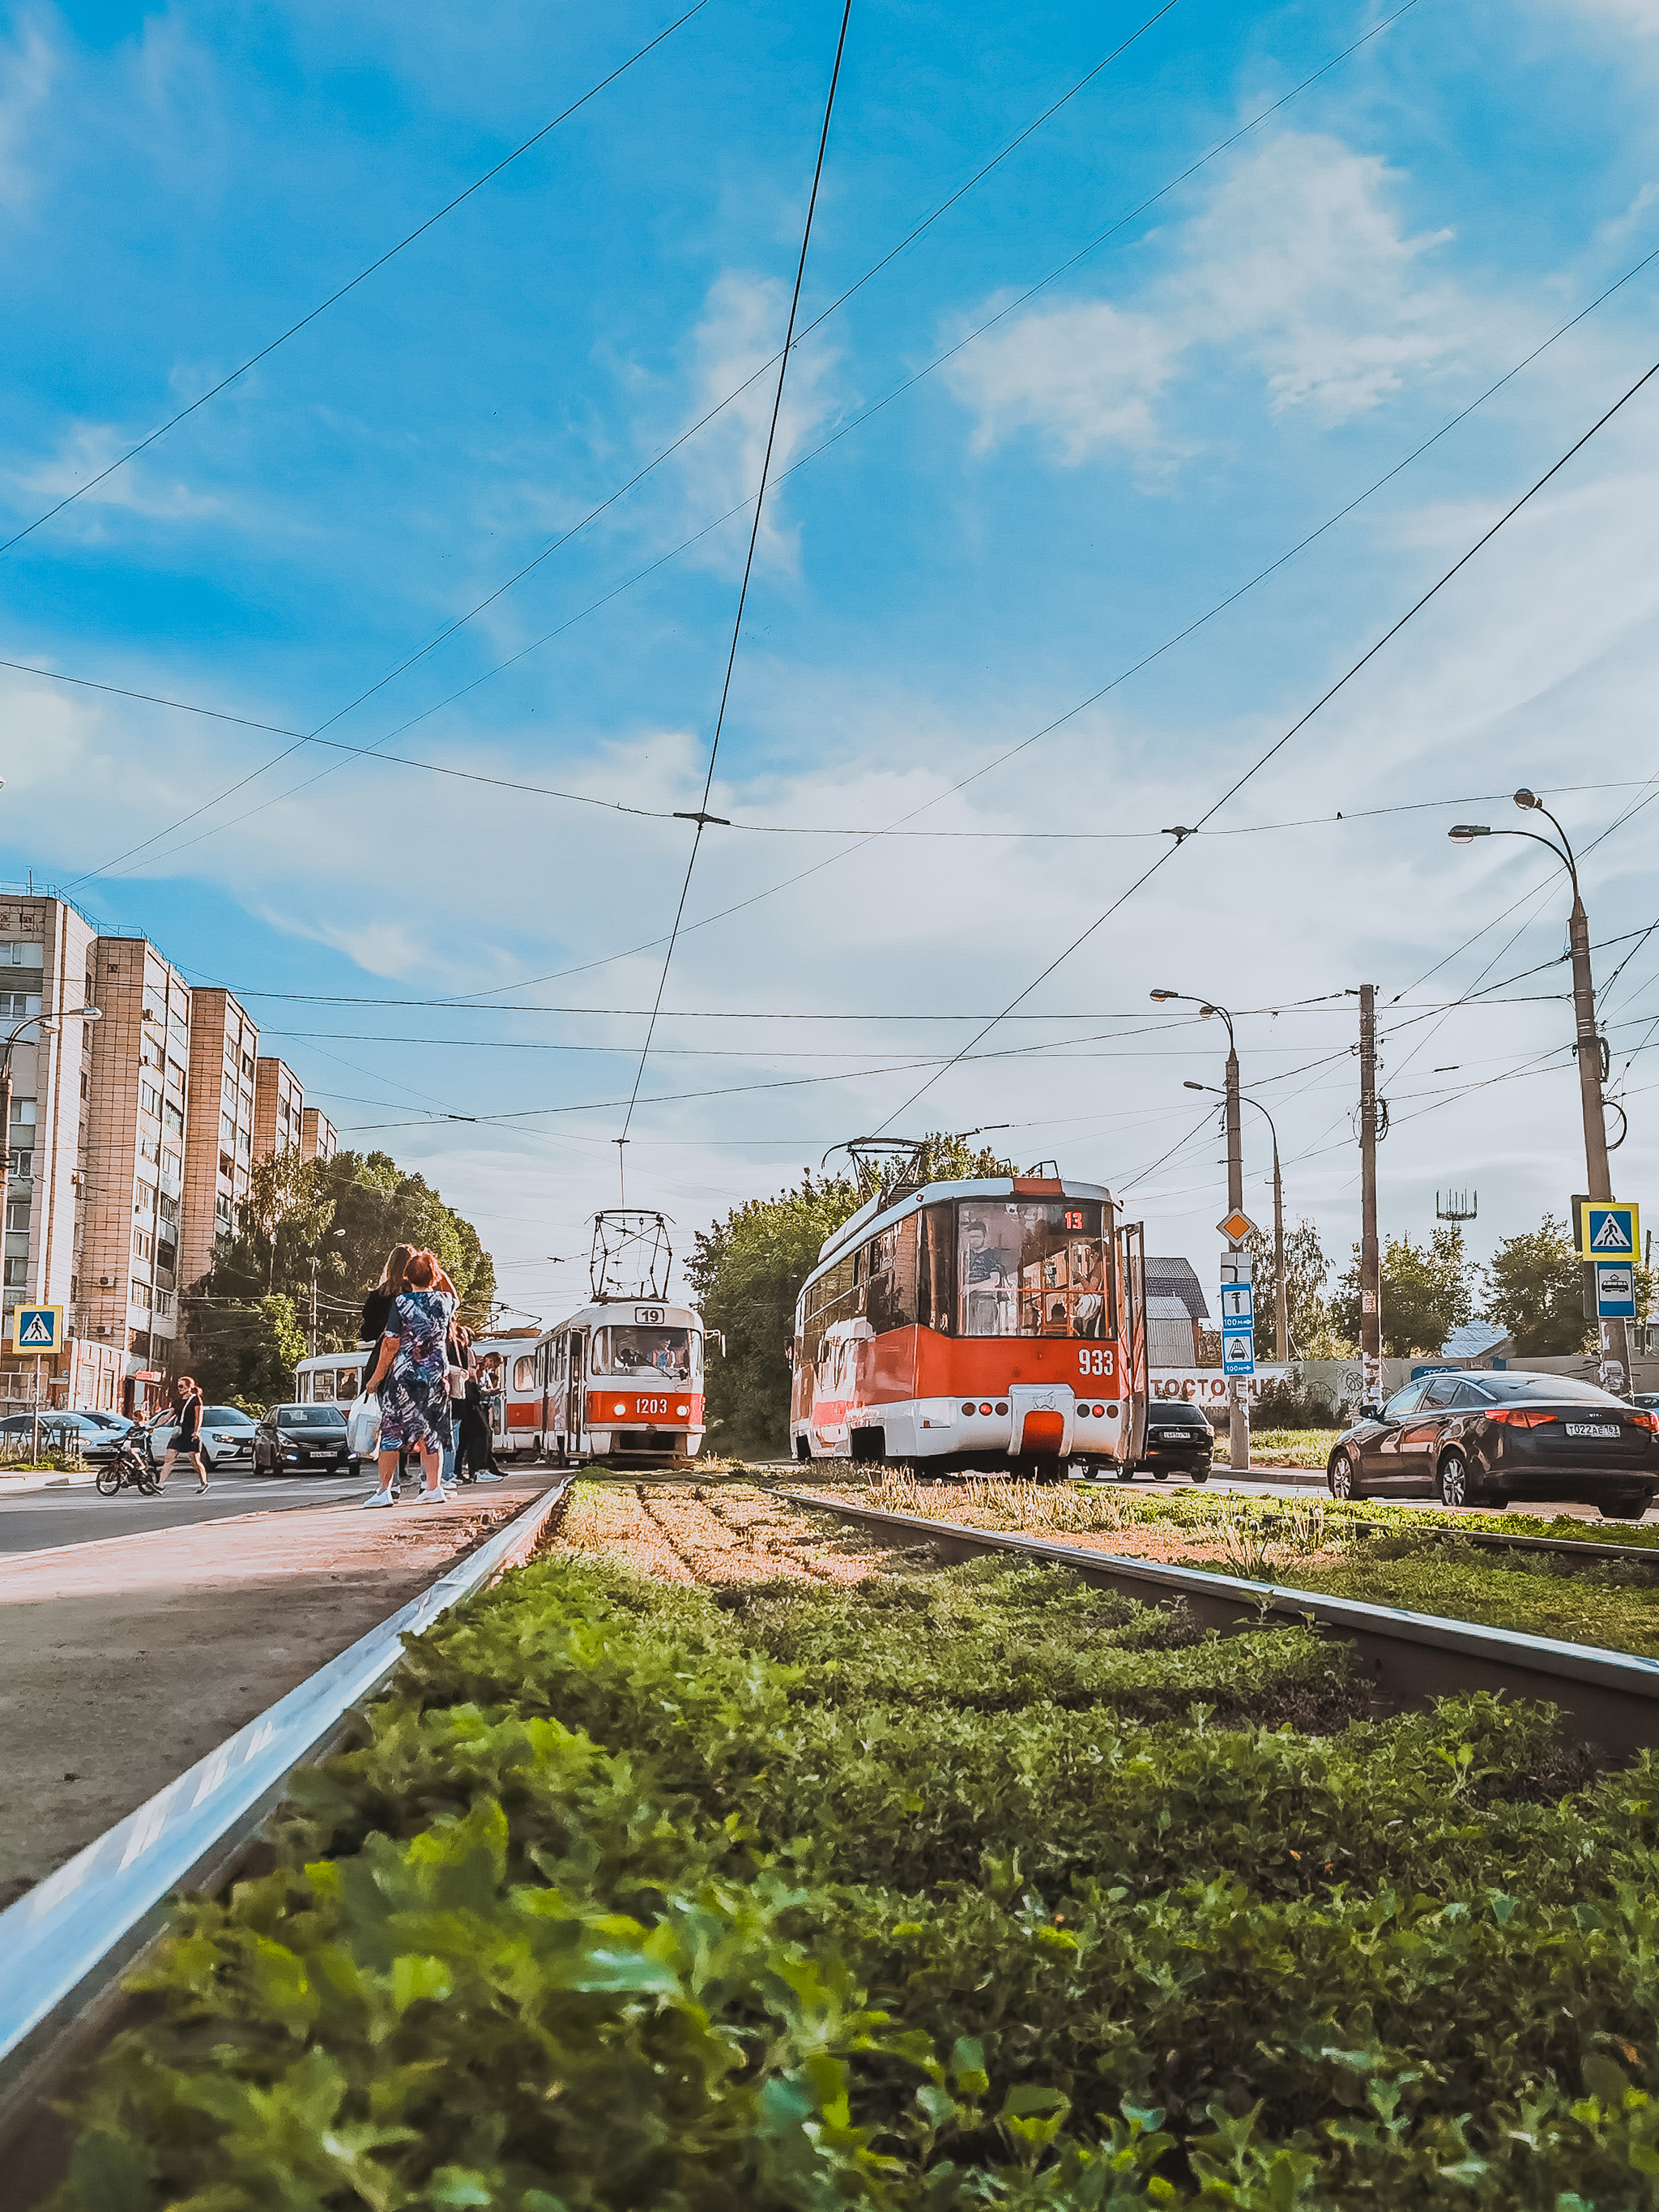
(1238, 1390)
(1281, 1302)
(1370, 1271)
(1591, 1049)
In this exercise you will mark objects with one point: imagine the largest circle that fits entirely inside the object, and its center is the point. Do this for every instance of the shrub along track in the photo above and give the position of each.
(909, 1887)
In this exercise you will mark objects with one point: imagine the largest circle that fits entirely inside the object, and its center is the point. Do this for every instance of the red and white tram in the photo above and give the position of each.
(992, 1323)
(623, 1375)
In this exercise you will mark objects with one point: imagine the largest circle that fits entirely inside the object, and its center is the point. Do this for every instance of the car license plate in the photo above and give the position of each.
(1593, 1429)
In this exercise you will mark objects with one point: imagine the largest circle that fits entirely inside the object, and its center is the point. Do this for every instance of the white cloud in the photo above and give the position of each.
(27, 69)
(1299, 265)
(1640, 16)
(743, 325)
(137, 489)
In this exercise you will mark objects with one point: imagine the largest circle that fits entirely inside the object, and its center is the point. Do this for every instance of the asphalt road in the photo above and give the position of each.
(41, 1519)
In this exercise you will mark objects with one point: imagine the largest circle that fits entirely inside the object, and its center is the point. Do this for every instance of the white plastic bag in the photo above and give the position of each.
(364, 1426)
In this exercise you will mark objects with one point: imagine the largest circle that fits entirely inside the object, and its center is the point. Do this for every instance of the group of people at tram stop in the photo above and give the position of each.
(431, 1405)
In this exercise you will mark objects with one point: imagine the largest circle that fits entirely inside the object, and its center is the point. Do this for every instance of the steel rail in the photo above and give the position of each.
(1610, 1697)
(67, 1942)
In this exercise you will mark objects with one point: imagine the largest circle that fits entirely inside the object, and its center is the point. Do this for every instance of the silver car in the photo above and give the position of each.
(59, 1428)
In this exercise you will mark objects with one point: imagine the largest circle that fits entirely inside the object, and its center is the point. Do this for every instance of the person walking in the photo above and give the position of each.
(187, 1437)
(473, 1449)
(376, 1306)
(455, 1385)
(409, 1372)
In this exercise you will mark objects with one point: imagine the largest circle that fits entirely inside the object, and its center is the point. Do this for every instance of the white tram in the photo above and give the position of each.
(507, 1369)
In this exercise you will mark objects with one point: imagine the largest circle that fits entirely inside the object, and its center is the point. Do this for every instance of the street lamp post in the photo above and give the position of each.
(1588, 1046)
(1281, 1309)
(1238, 1402)
(44, 1025)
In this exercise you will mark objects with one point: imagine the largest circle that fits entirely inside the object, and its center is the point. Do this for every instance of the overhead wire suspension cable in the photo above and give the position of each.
(700, 819)
(1279, 744)
(391, 253)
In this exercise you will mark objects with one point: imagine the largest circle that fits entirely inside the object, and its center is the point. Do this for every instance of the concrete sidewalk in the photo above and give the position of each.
(17, 1486)
(124, 1661)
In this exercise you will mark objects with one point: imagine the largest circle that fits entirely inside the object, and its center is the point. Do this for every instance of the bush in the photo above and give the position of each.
(628, 1899)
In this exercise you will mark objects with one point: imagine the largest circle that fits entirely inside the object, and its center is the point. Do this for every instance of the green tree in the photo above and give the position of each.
(243, 1352)
(1305, 1270)
(330, 1222)
(1426, 1293)
(1535, 1289)
(746, 1273)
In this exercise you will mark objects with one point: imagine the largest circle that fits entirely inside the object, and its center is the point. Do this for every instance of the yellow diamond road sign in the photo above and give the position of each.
(1237, 1227)
(37, 1328)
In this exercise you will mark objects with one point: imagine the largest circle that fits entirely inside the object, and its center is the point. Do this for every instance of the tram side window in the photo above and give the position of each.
(833, 1297)
(936, 1270)
(1031, 1267)
(890, 1300)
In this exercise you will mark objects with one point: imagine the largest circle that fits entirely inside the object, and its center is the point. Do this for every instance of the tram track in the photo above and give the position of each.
(69, 1942)
(1612, 1697)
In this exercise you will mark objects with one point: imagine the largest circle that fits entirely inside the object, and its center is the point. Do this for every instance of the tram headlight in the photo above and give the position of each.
(619, 1407)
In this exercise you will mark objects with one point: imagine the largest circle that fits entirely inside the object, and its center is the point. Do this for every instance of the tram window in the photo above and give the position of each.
(648, 1352)
(936, 1283)
(1031, 1269)
(890, 1290)
(524, 1373)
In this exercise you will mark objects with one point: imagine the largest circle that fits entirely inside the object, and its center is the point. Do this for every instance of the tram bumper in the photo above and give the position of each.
(1041, 1419)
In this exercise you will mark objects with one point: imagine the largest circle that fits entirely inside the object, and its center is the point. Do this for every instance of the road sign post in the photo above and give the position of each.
(39, 1329)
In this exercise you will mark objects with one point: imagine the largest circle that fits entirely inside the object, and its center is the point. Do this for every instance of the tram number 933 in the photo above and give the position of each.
(1095, 1362)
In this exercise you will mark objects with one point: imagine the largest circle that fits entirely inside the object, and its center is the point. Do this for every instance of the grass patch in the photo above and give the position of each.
(951, 1891)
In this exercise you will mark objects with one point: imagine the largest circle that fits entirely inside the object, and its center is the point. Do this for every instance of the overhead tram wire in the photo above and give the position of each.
(640, 475)
(362, 275)
(1279, 744)
(897, 827)
(700, 818)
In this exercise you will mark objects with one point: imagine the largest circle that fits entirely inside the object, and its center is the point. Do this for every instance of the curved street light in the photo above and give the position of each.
(1589, 1047)
(1239, 1402)
(1281, 1311)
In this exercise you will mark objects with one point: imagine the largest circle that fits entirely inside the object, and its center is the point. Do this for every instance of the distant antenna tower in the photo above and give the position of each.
(1460, 1206)
(631, 1256)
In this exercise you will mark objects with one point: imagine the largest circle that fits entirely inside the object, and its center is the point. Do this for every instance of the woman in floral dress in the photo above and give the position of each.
(410, 1374)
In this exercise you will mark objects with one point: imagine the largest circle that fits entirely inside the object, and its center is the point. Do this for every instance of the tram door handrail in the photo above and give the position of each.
(1136, 1385)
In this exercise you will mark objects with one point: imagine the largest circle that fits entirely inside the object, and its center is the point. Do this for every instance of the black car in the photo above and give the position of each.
(1484, 1438)
(1179, 1441)
(301, 1440)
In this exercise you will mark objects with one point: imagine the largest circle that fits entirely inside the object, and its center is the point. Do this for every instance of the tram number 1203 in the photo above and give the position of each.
(1097, 1362)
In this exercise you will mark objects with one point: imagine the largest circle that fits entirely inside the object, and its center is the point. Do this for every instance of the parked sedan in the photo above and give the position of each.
(1482, 1439)
(228, 1436)
(59, 1428)
(301, 1440)
(1179, 1441)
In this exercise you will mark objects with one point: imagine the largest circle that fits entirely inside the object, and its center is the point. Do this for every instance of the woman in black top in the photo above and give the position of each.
(378, 1304)
(187, 1436)
(473, 1447)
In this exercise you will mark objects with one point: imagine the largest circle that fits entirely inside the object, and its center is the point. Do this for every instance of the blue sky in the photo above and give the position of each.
(1080, 482)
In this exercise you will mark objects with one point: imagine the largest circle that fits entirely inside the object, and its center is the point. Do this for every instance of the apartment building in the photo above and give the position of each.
(318, 1138)
(47, 961)
(219, 1122)
(279, 1101)
(130, 1146)
(131, 1220)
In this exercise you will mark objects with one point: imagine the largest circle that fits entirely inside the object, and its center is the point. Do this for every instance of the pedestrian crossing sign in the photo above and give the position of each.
(37, 1328)
(1609, 1230)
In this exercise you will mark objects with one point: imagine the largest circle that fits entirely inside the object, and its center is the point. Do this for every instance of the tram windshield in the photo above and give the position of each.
(670, 1352)
(1031, 1267)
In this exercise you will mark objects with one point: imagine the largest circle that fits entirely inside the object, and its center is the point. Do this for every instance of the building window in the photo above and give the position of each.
(172, 1163)
(164, 1302)
(17, 1274)
(86, 1084)
(139, 1293)
(244, 1143)
(226, 1130)
(171, 1119)
(17, 1216)
(247, 1065)
(222, 1213)
(150, 1100)
(148, 1148)
(142, 1244)
(168, 1207)
(227, 1166)
(18, 1005)
(149, 1054)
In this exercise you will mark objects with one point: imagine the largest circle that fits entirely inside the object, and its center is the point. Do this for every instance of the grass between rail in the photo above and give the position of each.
(955, 1888)
(1383, 1555)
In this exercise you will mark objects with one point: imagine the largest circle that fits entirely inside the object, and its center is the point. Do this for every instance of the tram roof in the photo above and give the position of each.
(895, 1204)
